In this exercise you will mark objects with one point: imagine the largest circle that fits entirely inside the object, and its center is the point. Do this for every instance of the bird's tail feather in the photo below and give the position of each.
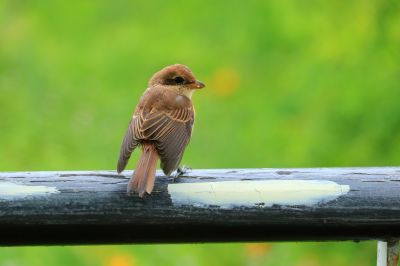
(143, 178)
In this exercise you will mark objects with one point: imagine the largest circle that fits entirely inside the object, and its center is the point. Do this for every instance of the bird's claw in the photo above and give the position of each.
(180, 172)
(183, 170)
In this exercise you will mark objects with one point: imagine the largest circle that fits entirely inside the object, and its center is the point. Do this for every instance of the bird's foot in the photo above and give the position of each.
(183, 170)
(180, 172)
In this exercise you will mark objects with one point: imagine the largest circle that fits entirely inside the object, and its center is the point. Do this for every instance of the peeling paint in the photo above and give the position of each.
(10, 191)
(228, 194)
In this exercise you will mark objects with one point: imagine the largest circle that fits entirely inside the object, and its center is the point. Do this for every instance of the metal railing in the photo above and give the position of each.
(216, 205)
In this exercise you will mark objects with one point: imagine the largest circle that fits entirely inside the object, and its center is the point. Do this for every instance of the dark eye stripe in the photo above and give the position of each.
(176, 81)
(179, 80)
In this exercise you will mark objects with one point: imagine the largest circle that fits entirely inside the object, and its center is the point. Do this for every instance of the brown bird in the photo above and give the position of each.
(161, 124)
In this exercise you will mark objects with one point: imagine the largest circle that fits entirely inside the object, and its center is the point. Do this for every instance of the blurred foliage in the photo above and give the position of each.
(290, 84)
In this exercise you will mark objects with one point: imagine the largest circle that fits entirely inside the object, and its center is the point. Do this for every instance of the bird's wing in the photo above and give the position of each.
(128, 145)
(170, 130)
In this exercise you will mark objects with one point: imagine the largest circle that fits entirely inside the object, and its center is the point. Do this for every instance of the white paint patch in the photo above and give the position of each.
(228, 194)
(10, 191)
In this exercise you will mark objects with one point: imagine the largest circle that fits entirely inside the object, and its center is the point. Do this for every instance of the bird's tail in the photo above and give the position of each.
(145, 173)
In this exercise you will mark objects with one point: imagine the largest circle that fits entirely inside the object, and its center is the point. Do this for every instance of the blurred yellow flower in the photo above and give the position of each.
(256, 250)
(225, 81)
(121, 260)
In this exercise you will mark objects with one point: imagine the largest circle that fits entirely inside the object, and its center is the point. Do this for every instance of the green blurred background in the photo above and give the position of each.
(289, 84)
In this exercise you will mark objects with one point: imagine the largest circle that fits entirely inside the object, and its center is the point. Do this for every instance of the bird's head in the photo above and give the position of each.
(178, 77)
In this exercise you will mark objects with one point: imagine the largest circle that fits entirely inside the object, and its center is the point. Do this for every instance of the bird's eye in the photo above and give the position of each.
(179, 80)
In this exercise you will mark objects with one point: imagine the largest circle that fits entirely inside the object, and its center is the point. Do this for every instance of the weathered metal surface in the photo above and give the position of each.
(91, 207)
(393, 253)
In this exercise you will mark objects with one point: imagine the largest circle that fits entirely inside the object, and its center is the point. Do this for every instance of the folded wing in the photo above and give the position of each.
(165, 119)
(170, 131)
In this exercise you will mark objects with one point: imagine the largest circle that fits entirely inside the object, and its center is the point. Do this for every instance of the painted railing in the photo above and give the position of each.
(91, 207)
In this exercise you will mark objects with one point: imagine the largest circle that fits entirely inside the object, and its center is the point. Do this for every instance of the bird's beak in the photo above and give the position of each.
(197, 85)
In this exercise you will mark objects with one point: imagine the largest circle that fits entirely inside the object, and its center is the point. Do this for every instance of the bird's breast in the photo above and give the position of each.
(180, 100)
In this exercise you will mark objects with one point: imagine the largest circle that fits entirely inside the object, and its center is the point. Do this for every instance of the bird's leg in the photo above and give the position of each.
(180, 172)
